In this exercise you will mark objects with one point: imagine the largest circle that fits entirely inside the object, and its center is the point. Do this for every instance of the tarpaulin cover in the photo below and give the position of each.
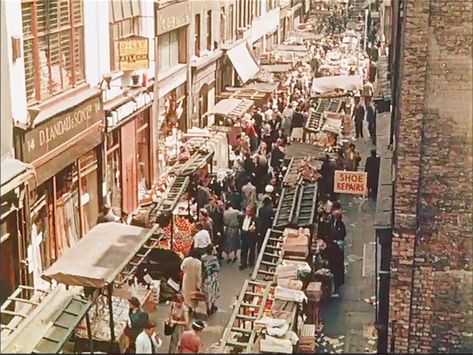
(330, 83)
(100, 256)
(225, 106)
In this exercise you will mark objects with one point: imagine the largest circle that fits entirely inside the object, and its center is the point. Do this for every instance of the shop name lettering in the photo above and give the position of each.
(131, 58)
(77, 118)
(352, 183)
(173, 22)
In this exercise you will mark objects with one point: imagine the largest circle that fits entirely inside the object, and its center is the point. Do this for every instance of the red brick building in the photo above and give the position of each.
(430, 297)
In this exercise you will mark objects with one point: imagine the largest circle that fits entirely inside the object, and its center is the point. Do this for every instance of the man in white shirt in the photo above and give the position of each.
(148, 342)
(201, 238)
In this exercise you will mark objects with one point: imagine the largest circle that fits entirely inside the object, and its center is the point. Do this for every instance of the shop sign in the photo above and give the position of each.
(350, 182)
(172, 17)
(59, 129)
(132, 53)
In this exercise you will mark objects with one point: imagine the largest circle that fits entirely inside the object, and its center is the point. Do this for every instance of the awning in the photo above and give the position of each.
(304, 150)
(243, 62)
(277, 68)
(13, 173)
(224, 107)
(100, 256)
(331, 83)
(291, 48)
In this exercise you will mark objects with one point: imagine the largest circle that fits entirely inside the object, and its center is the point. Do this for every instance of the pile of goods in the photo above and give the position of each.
(182, 229)
(296, 242)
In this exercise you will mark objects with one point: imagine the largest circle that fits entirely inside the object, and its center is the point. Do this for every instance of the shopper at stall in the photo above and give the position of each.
(248, 238)
(352, 158)
(148, 341)
(211, 286)
(248, 165)
(201, 239)
(232, 232)
(250, 130)
(372, 169)
(265, 220)
(207, 222)
(371, 118)
(215, 211)
(138, 320)
(178, 320)
(258, 119)
(203, 196)
(337, 231)
(191, 268)
(248, 194)
(190, 342)
(277, 156)
(358, 115)
(336, 264)
(261, 172)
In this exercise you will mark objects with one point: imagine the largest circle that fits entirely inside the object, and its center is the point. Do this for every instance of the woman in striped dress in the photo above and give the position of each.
(211, 285)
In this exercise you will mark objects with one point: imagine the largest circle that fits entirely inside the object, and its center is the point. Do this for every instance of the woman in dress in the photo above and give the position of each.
(192, 278)
(211, 285)
(179, 317)
(231, 232)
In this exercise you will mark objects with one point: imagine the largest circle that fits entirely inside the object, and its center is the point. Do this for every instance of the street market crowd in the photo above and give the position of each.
(234, 212)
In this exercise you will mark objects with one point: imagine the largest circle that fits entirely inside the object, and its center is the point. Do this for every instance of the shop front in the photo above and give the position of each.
(16, 177)
(63, 145)
(128, 150)
(204, 77)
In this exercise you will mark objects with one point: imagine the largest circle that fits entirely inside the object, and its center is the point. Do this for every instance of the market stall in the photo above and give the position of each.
(49, 324)
(258, 93)
(108, 257)
(229, 111)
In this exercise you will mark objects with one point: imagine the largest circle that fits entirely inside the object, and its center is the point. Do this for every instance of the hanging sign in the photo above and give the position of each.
(350, 182)
(132, 53)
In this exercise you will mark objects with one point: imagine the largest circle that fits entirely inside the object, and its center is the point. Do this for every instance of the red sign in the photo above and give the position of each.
(350, 182)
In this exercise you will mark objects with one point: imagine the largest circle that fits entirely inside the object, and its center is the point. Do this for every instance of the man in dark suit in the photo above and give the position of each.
(372, 168)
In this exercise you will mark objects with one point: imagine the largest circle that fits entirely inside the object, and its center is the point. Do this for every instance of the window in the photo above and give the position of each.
(170, 47)
(209, 30)
(53, 46)
(223, 36)
(197, 35)
(230, 23)
(240, 13)
(124, 22)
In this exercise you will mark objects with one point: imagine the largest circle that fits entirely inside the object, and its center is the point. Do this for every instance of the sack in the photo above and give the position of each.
(168, 328)
(198, 296)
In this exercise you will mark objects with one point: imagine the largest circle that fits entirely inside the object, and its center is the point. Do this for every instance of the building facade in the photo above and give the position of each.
(430, 299)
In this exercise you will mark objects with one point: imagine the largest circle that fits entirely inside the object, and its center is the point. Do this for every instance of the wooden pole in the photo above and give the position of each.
(110, 308)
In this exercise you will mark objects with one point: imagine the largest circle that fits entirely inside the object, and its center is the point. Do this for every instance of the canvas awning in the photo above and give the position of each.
(331, 83)
(244, 64)
(224, 107)
(277, 68)
(97, 259)
(13, 173)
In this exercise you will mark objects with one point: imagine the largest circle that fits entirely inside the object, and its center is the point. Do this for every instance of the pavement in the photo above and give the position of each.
(231, 282)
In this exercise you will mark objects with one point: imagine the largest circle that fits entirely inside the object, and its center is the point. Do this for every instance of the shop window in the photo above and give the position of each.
(209, 30)
(125, 18)
(53, 46)
(89, 190)
(197, 35)
(143, 145)
(169, 52)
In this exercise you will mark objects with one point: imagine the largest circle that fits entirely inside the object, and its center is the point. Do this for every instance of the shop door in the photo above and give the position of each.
(129, 173)
(9, 273)
(203, 105)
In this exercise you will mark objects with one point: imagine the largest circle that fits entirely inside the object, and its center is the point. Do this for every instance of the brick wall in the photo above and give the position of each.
(432, 249)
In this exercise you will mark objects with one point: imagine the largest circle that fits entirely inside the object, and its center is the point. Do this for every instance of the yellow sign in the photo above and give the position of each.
(132, 53)
(350, 182)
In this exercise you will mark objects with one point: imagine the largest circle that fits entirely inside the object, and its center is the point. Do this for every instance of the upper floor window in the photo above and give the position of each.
(53, 46)
(209, 30)
(172, 49)
(124, 22)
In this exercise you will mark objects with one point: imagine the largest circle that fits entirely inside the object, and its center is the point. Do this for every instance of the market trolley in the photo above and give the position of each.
(104, 263)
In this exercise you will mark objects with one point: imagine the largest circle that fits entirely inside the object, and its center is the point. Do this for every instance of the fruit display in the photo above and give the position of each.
(181, 247)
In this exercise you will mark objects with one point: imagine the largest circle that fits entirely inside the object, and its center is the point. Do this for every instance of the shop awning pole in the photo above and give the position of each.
(110, 308)
(89, 332)
(172, 230)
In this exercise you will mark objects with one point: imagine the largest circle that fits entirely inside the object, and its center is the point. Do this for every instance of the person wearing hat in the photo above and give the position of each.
(137, 321)
(190, 340)
(265, 220)
(201, 238)
(148, 341)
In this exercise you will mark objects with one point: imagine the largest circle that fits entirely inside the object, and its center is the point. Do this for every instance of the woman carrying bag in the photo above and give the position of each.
(177, 323)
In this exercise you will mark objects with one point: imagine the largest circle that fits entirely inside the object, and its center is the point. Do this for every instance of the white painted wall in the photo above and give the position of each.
(11, 14)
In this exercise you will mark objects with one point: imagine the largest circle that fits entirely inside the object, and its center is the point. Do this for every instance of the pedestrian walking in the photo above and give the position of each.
(338, 231)
(178, 320)
(248, 238)
(359, 116)
(192, 278)
(352, 158)
(190, 342)
(371, 114)
(148, 341)
(232, 232)
(211, 286)
(265, 220)
(372, 169)
(138, 320)
(249, 194)
(214, 209)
